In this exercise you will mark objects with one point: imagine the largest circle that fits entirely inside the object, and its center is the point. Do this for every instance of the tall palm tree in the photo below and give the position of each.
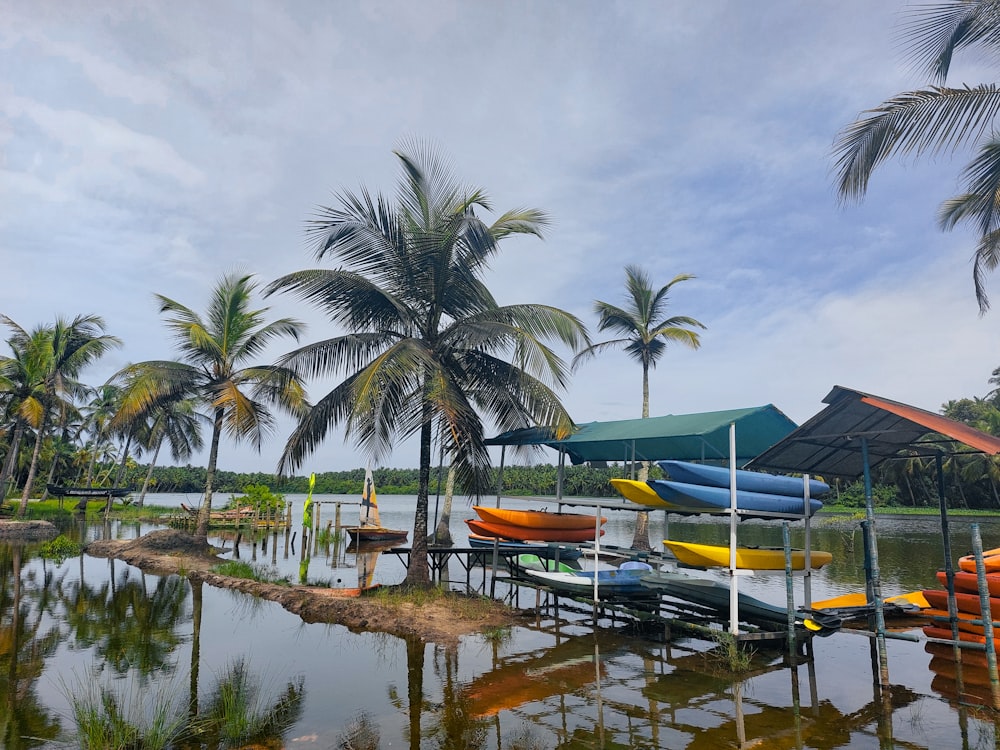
(179, 424)
(426, 344)
(216, 369)
(643, 333)
(939, 118)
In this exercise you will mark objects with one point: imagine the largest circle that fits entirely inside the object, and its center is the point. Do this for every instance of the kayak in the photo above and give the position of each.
(707, 498)
(542, 549)
(969, 582)
(908, 602)
(716, 596)
(966, 622)
(537, 519)
(750, 558)
(991, 561)
(526, 534)
(642, 494)
(752, 481)
(619, 581)
(964, 602)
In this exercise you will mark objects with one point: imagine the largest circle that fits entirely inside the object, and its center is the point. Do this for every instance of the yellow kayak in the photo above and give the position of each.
(856, 599)
(750, 558)
(642, 494)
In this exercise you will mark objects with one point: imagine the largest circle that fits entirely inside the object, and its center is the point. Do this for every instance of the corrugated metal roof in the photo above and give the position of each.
(690, 437)
(829, 444)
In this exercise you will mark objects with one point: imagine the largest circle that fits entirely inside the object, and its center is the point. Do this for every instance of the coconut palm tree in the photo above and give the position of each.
(53, 359)
(426, 344)
(178, 423)
(216, 368)
(643, 333)
(939, 118)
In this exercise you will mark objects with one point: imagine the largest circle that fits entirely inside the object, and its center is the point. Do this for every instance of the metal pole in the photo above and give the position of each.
(807, 578)
(734, 596)
(985, 613)
(876, 585)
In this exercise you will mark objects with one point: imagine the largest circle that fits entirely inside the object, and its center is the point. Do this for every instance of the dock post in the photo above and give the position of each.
(984, 609)
(789, 592)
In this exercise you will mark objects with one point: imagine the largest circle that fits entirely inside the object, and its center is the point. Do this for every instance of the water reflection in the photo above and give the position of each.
(553, 684)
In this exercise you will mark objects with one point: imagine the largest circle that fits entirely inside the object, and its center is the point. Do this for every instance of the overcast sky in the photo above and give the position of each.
(153, 147)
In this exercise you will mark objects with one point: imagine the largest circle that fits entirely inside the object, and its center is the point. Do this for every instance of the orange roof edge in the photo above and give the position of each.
(959, 431)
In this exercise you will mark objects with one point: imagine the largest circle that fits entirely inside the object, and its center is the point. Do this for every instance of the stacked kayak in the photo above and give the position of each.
(625, 580)
(534, 525)
(700, 488)
(967, 600)
(750, 558)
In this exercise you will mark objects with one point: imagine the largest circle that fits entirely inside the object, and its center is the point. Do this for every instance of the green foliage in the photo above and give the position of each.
(729, 654)
(123, 718)
(60, 548)
(249, 571)
(853, 495)
(260, 497)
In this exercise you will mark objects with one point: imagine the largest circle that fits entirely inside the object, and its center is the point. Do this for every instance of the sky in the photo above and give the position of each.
(151, 148)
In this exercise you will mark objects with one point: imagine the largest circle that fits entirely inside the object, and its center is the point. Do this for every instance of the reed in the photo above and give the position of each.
(124, 718)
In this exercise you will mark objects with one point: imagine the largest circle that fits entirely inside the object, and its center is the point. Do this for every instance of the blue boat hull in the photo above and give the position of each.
(717, 498)
(751, 481)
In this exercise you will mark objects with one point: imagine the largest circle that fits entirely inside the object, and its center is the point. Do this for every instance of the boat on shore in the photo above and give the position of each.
(716, 499)
(537, 519)
(750, 558)
(370, 528)
(528, 534)
(751, 481)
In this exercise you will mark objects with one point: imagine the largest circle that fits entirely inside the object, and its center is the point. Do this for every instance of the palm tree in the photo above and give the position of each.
(179, 423)
(54, 358)
(215, 351)
(936, 119)
(427, 346)
(643, 333)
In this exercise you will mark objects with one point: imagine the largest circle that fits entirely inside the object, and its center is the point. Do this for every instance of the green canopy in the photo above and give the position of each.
(686, 437)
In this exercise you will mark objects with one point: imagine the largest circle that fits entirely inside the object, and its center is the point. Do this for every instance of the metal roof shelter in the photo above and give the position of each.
(829, 444)
(693, 437)
(858, 431)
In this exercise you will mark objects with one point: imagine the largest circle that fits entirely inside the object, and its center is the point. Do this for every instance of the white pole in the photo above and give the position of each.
(734, 615)
(597, 553)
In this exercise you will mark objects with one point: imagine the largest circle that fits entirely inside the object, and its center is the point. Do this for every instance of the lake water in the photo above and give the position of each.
(90, 622)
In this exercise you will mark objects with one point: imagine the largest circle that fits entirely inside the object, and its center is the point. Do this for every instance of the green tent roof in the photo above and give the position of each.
(686, 437)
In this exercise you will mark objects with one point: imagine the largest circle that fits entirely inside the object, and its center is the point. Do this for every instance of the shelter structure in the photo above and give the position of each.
(858, 431)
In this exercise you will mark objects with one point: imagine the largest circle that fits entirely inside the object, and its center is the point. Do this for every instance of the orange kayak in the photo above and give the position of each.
(991, 561)
(526, 534)
(966, 621)
(537, 519)
(964, 601)
(966, 581)
(933, 631)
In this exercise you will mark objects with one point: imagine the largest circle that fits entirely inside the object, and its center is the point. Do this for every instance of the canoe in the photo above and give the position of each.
(615, 582)
(965, 581)
(360, 534)
(750, 558)
(991, 561)
(966, 621)
(527, 561)
(542, 549)
(642, 494)
(964, 601)
(908, 602)
(751, 481)
(537, 519)
(709, 498)
(716, 596)
(525, 534)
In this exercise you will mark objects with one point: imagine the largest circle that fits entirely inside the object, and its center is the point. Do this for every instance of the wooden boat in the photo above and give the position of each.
(537, 519)
(750, 558)
(371, 529)
(969, 582)
(964, 602)
(991, 561)
(526, 534)
(61, 491)
(623, 581)
(708, 499)
(716, 596)
(642, 494)
(751, 481)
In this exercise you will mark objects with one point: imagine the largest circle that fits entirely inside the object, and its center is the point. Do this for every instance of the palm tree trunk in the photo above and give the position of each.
(149, 473)
(11, 459)
(418, 572)
(201, 532)
(640, 537)
(31, 470)
(442, 534)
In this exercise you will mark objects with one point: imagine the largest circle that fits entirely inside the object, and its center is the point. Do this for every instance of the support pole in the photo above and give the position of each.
(734, 596)
(875, 582)
(984, 609)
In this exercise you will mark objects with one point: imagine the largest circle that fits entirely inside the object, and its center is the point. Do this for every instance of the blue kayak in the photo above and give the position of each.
(693, 496)
(751, 481)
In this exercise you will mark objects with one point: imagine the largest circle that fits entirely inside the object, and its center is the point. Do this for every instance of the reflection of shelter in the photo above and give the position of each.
(858, 431)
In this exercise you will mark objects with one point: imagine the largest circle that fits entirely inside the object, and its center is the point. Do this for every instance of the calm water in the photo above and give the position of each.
(92, 622)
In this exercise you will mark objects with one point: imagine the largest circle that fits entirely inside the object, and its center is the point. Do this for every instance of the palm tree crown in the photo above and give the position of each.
(427, 346)
(216, 368)
(936, 119)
